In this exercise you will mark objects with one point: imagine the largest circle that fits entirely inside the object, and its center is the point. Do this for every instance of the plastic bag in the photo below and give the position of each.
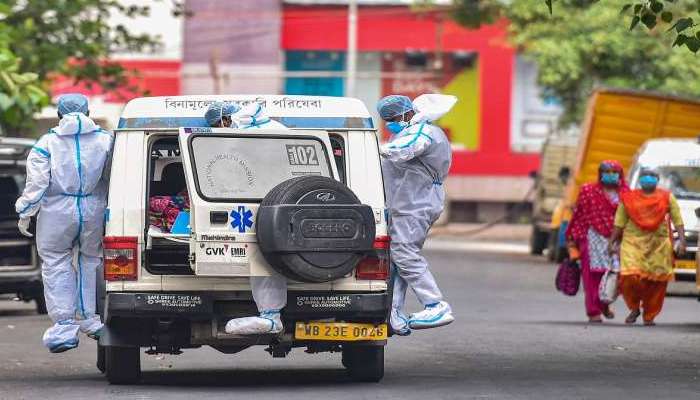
(608, 289)
(432, 106)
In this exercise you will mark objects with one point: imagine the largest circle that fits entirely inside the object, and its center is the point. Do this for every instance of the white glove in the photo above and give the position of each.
(384, 150)
(23, 226)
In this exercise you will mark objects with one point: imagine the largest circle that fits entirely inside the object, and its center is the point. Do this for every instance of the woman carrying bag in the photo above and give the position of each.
(589, 230)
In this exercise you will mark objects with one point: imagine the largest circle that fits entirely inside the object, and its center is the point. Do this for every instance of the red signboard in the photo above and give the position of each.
(399, 29)
(150, 77)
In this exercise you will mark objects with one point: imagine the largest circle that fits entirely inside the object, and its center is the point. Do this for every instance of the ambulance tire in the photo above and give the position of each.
(100, 364)
(122, 365)
(268, 201)
(312, 267)
(364, 363)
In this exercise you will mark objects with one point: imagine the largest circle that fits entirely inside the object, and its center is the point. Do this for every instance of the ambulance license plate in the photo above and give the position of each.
(340, 331)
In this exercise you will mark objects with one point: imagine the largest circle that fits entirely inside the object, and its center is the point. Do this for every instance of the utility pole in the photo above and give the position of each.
(352, 49)
(439, 27)
(214, 60)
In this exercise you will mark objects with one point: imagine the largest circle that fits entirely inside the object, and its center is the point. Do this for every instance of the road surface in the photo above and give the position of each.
(514, 338)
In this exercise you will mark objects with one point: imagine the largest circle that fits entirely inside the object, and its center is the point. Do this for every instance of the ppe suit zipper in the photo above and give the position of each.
(78, 200)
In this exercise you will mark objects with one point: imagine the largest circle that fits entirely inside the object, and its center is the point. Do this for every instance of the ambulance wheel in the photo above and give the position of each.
(41, 304)
(270, 199)
(122, 365)
(364, 363)
(303, 255)
(100, 358)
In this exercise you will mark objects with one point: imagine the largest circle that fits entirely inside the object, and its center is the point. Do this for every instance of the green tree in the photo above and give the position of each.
(20, 93)
(581, 45)
(676, 15)
(73, 38)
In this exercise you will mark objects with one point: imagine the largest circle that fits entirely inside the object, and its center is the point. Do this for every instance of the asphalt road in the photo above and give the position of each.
(514, 337)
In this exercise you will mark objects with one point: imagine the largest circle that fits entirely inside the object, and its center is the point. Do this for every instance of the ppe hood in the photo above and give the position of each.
(75, 123)
(250, 115)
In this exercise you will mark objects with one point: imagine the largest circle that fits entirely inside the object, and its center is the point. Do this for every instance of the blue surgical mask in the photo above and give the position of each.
(648, 182)
(396, 127)
(610, 178)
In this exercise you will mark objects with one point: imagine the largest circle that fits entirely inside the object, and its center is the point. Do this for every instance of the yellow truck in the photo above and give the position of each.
(617, 124)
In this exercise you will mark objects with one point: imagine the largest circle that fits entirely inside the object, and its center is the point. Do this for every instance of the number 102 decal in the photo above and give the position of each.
(302, 154)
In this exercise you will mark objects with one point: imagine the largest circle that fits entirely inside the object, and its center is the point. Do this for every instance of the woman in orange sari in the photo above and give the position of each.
(646, 250)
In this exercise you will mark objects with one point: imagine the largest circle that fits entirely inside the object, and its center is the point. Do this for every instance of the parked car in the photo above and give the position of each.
(251, 215)
(20, 269)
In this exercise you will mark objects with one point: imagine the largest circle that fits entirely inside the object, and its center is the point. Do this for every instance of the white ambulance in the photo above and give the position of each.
(324, 228)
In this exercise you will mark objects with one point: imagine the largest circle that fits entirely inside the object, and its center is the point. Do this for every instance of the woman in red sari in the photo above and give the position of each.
(590, 228)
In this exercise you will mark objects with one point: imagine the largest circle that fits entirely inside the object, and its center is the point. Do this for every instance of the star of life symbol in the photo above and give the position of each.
(242, 219)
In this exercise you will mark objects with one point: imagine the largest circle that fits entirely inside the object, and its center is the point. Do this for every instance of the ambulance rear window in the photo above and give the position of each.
(248, 167)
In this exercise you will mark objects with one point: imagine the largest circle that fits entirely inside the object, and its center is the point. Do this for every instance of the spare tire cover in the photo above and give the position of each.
(314, 229)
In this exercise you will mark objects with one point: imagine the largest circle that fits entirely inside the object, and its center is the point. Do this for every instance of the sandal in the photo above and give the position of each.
(595, 320)
(608, 313)
(632, 318)
(649, 323)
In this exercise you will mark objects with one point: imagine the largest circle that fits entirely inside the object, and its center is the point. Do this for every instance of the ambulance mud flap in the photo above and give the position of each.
(317, 231)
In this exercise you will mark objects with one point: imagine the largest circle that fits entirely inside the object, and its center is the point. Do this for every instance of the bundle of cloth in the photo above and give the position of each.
(164, 210)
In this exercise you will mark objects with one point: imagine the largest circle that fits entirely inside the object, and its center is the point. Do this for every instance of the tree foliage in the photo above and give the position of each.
(20, 93)
(583, 43)
(673, 16)
(73, 38)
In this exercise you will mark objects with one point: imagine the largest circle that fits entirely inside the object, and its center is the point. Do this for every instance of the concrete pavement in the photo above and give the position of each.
(514, 338)
(482, 232)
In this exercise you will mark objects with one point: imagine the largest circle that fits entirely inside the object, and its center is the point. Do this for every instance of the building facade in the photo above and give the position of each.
(300, 47)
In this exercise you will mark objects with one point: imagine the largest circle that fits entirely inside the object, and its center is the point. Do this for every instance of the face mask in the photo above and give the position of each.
(396, 127)
(610, 178)
(648, 182)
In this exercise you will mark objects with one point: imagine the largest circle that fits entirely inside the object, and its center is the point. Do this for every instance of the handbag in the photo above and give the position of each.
(608, 288)
(568, 277)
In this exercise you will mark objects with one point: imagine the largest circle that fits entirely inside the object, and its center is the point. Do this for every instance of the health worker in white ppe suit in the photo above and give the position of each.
(219, 114)
(269, 292)
(415, 163)
(67, 187)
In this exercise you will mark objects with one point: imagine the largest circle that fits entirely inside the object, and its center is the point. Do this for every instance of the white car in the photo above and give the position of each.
(325, 229)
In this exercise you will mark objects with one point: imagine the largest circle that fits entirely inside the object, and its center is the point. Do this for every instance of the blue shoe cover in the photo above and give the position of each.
(399, 323)
(61, 347)
(433, 316)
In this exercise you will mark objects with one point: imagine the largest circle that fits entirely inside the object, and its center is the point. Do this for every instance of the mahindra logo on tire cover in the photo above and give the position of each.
(328, 228)
(325, 197)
